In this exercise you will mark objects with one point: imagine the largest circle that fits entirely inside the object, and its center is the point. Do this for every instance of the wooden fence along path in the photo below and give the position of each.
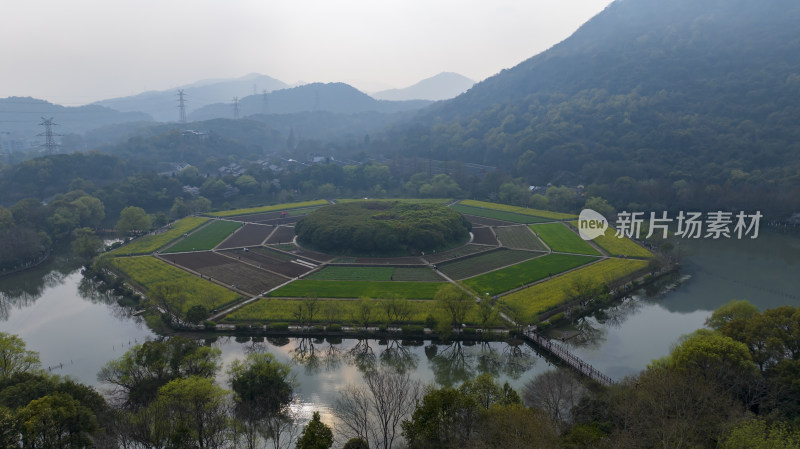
(567, 357)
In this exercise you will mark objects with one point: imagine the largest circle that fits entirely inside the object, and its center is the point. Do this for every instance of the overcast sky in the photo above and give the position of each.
(75, 52)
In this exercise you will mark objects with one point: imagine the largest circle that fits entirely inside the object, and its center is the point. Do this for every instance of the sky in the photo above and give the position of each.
(74, 52)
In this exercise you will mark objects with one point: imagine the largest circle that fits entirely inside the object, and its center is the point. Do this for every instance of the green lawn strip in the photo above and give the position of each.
(562, 239)
(150, 243)
(520, 210)
(519, 237)
(415, 274)
(527, 272)
(257, 210)
(357, 289)
(150, 273)
(539, 298)
(497, 214)
(339, 273)
(618, 246)
(481, 263)
(206, 238)
(284, 310)
(405, 200)
(303, 210)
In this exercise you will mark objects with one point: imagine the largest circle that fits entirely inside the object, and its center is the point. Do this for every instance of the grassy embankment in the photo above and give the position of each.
(150, 243)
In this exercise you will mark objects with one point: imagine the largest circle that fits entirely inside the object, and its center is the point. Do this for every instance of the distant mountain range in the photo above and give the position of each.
(443, 86)
(331, 97)
(163, 105)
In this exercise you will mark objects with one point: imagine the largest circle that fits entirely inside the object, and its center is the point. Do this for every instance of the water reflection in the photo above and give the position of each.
(21, 290)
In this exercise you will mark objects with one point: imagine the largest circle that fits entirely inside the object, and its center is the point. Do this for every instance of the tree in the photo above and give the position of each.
(355, 443)
(374, 411)
(133, 219)
(758, 434)
(601, 206)
(454, 302)
(514, 426)
(316, 435)
(14, 358)
(56, 421)
(554, 392)
(85, 243)
(734, 310)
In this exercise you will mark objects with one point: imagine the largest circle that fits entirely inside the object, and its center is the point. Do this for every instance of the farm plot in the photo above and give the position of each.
(483, 221)
(305, 253)
(456, 253)
(527, 272)
(228, 271)
(151, 274)
(390, 260)
(561, 239)
(274, 261)
(484, 236)
(150, 243)
(288, 220)
(345, 312)
(520, 210)
(539, 298)
(206, 237)
(488, 261)
(617, 246)
(415, 274)
(276, 207)
(519, 237)
(357, 289)
(498, 214)
(347, 273)
(282, 234)
(248, 235)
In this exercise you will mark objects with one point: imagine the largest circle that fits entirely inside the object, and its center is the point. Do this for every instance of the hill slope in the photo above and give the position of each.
(331, 97)
(443, 86)
(163, 105)
(696, 101)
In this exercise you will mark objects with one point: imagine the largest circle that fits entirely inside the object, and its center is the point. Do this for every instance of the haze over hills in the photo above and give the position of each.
(331, 97)
(681, 101)
(443, 86)
(163, 105)
(20, 118)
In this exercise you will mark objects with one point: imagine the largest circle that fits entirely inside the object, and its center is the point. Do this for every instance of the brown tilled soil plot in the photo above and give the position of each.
(229, 272)
(284, 234)
(271, 260)
(483, 221)
(484, 236)
(248, 235)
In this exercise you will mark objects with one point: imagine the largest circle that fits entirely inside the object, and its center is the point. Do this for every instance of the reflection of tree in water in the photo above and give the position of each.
(457, 361)
(451, 363)
(305, 354)
(398, 357)
(332, 354)
(362, 356)
(95, 292)
(22, 290)
(519, 358)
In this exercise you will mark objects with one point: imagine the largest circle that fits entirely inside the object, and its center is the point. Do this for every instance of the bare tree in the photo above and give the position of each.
(374, 410)
(555, 392)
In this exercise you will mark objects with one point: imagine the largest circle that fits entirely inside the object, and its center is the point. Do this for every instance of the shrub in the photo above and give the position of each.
(413, 329)
(210, 325)
(279, 326)
(335, 328)
(355, 443)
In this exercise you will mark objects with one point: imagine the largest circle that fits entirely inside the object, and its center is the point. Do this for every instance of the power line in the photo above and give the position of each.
(50, 144)
(181, 106)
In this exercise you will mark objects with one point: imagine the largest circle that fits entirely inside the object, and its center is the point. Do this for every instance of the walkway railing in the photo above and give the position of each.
(567, 357)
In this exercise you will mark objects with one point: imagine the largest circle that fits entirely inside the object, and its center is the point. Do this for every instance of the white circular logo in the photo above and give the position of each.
(591, 224)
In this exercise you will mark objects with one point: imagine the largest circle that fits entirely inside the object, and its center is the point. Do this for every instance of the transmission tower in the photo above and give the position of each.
(50, 144)
(236, 108)
(264, 102)
(181, 106)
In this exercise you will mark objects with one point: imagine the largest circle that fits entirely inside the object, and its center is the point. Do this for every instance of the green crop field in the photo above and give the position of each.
(206, 237)
(338, 273)
(283, 310)
(518, 237)
(497, 214)
(539, 298)
(527, 272)
(617, 246)
(481, 263)
(151, 274)
(562, 239)
(519, 210)
(357, 289)
(256, 210)
(150, 243)
(415, 274)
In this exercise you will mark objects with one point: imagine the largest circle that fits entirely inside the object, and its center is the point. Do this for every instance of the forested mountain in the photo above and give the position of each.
(163, 105)
(330, 97)
(443, 86)
(661, 104)
(20, 117)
